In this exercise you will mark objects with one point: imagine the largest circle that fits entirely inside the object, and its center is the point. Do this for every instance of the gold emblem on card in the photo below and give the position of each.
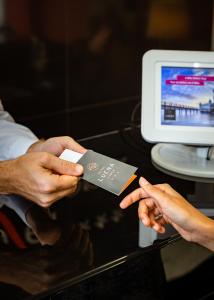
(92, 166)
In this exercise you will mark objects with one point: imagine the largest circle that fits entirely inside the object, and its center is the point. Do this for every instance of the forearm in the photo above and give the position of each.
(205, 235)
(195, 226)
(7, 176)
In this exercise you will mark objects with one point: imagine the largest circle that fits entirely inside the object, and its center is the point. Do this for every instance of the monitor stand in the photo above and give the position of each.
(190, 163)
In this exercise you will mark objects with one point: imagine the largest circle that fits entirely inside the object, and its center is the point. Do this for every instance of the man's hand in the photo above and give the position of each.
(56, 145)
(40, 177)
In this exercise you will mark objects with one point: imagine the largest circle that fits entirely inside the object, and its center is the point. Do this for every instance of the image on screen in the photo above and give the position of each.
(187, 96)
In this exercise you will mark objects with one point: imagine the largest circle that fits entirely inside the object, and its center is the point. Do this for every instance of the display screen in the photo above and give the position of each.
(187, 96)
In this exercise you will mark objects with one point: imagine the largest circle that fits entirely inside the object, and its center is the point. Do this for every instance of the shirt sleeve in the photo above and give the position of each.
(15, 139)
(17, 203)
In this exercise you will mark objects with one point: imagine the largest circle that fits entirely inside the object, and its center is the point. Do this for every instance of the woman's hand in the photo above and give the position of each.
(161, 204)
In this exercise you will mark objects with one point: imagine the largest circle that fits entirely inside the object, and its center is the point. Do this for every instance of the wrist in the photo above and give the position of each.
(37, 146)
(7, 176)
(206, 234)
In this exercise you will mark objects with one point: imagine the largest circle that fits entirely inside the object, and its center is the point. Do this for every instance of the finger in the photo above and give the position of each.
(61, 194)
(165, 187)
(47, 200)
(160, 197)
(149, 221)
(135, 196)
(143, 181)
(143, 212)
(150, 203)
(157, 213)
(159, 228)
(61, 166)
(64, 182)
(162, 221)
(156, 225)
(54, 183)
(147, 206)
(69, 143)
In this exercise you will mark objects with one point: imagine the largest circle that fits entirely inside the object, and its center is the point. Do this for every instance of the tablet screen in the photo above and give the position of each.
(187, 96)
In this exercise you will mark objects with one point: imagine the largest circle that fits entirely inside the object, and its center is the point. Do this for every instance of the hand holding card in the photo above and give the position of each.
(103, 171)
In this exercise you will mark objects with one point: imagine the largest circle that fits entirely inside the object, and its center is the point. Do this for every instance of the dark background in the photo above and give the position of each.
(74, 67)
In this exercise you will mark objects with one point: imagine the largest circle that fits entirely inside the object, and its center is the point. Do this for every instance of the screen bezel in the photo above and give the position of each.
(151, 128)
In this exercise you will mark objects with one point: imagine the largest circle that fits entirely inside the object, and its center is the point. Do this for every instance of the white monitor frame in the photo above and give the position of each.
(151, 128)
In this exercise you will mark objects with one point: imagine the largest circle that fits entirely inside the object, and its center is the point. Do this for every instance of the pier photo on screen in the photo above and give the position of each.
(187, 96)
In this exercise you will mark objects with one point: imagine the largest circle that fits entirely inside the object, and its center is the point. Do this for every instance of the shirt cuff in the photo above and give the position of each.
(17, 203)
(15, 139)
(21, 145)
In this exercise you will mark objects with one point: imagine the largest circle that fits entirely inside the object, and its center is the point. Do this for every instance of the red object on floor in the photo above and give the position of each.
(11, 231)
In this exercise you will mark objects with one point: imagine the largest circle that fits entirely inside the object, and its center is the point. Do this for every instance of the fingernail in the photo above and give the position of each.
(144, 222)
(122, 205)
(79, 169)
(143, 181)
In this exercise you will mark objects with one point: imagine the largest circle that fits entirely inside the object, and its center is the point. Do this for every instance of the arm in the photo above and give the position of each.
(56, 189)
(161, 204)
(15, 139)
(40, 177)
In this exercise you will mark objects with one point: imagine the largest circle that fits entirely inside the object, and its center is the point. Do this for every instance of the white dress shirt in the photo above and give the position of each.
(15, 139)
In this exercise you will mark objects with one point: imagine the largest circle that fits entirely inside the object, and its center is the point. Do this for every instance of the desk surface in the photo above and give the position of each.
(95, 234)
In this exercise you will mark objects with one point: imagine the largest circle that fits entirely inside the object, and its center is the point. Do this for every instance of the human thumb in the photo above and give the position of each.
(63, 167)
